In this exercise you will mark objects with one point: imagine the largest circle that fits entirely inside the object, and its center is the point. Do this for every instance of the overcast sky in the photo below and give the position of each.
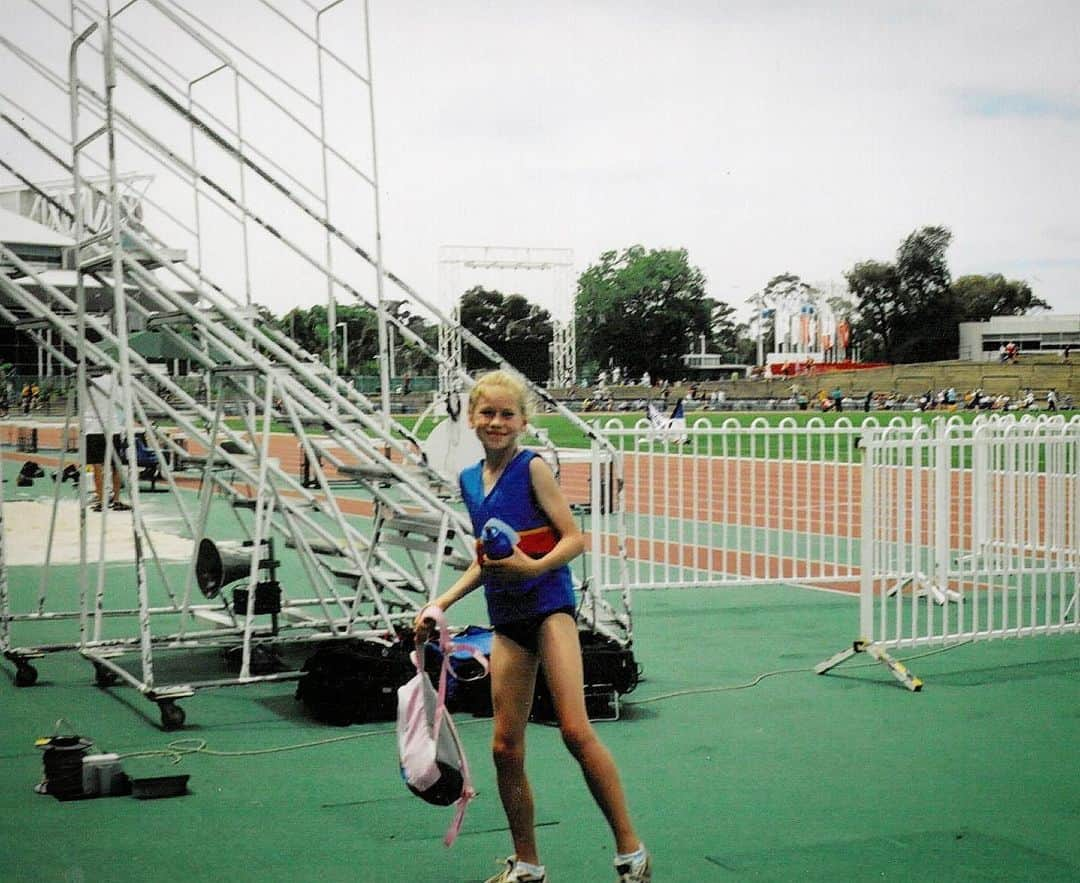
(763, 137)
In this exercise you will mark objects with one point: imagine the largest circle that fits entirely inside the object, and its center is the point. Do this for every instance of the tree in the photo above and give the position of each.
(921, 267)
(412, 358)
(875, 286)
(980, 297)
(310, 330)
(911, 311)
(784, 288)
(728, 337)
(306, 327)
(641, 311)
(517, 330)
(905, 309)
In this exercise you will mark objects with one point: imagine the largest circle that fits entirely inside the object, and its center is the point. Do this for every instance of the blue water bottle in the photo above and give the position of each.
(498, 539)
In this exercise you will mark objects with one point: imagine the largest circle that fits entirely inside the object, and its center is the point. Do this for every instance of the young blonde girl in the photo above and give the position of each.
(530, 602)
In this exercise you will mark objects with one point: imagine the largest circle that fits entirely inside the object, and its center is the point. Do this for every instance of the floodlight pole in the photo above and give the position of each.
(344, 346)
(384, 361)
(758, 300)
(80, 318)
(331, 303)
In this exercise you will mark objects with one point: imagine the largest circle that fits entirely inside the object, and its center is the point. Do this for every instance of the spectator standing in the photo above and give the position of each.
(837, 396)
(103, 418)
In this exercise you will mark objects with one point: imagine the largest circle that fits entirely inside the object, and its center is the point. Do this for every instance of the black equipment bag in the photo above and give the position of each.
(355, 681)
(468, 689)
(606, 664)
(29, 471)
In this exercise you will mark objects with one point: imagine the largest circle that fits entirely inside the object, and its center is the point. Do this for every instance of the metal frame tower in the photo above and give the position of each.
(480, 262)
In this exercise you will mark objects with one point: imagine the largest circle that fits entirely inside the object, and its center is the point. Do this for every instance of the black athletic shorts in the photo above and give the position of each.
(526, 632)
(95, 447)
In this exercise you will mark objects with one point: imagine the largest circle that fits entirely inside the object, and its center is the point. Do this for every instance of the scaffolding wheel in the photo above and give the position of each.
(25, 674)
(172, 715)
(103, 676)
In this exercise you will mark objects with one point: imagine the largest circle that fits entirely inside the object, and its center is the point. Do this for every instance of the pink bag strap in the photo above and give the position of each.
(447, 647)
(433, 611)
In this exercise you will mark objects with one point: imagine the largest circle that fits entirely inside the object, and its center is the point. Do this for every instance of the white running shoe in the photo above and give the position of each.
(639, 871)
(509, 875)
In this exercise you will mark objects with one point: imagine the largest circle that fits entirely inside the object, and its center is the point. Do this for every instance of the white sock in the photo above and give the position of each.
(535, 870)
(623, 858)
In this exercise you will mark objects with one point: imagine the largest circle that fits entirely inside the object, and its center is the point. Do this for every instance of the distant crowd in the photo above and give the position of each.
(941, 400)
(1027, 401)
(31, 397)
(834, 400)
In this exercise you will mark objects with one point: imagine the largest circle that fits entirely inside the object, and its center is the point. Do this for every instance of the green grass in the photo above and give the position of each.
(770, 445)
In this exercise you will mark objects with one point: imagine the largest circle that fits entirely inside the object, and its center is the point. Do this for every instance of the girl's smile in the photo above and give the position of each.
(497, 419)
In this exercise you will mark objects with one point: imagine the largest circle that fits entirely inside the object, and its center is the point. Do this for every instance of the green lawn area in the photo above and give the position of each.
(565, 434)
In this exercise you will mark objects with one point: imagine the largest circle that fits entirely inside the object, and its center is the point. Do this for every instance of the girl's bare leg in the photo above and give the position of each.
(560, 653)
(513, 683)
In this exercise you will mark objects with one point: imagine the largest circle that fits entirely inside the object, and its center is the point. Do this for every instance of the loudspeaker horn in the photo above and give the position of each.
(217, 566)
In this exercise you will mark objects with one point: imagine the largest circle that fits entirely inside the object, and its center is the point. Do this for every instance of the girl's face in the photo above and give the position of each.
(498, 419)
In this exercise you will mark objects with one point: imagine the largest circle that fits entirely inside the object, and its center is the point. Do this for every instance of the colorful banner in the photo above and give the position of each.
(843, 333)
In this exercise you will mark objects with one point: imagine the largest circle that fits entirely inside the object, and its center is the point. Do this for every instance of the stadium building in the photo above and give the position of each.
(1041, 333)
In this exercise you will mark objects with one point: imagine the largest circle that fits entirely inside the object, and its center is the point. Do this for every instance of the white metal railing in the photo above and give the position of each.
(969, 532)
(732, 504)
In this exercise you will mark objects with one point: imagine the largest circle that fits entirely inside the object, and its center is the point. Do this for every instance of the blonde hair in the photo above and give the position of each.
(505, 381)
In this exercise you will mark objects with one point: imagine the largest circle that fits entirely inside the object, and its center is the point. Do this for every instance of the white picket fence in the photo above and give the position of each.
(729, 504)
(970, 532)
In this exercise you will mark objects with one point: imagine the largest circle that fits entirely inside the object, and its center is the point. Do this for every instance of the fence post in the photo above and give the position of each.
(943, 471)
(867, 541)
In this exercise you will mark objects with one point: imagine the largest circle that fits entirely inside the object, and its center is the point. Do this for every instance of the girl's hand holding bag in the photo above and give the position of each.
(430, 753)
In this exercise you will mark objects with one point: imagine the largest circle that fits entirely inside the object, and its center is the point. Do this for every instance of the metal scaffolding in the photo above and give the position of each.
(369, 525)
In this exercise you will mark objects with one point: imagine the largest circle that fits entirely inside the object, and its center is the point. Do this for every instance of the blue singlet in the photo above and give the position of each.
(512, 499)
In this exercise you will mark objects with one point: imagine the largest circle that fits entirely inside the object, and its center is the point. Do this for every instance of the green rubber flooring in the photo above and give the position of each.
(740, 764)
(799, 777)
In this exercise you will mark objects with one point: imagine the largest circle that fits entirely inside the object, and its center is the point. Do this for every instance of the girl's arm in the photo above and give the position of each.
(464, 584)
(571, 542)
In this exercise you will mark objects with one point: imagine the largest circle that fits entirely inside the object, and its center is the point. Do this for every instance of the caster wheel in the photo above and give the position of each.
(25, 675)
(103, 677)
(172, 716)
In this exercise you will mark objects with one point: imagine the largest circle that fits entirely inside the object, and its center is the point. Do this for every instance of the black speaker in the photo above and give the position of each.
(217, 566)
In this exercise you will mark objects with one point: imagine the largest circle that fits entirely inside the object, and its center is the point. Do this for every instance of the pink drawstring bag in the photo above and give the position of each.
(430, 753)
